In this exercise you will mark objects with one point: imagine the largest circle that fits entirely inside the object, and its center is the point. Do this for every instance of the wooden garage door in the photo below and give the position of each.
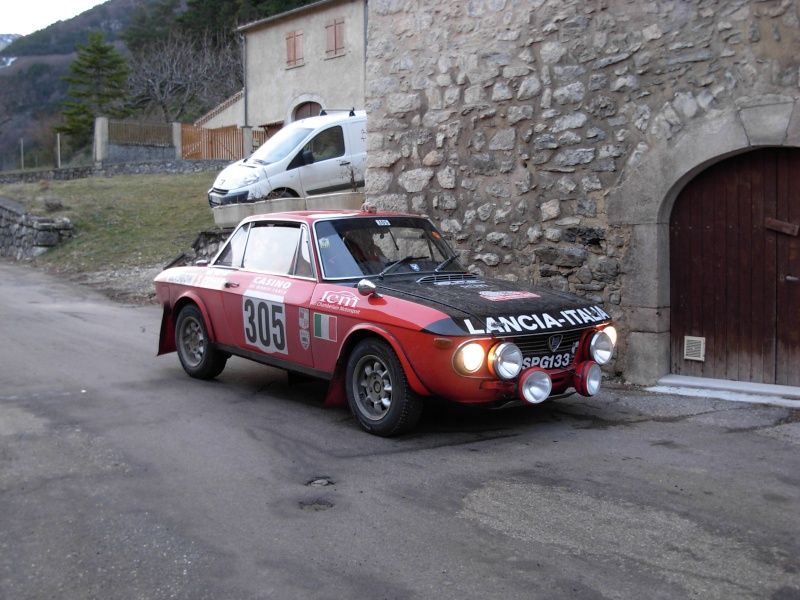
(734, 270)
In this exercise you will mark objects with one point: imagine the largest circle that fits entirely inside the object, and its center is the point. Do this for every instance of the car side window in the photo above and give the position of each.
(303, 262)
(272, 248)
(327, 144)
(231, 255)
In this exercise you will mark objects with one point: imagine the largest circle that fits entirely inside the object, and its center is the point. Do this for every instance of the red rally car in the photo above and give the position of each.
(379, 305)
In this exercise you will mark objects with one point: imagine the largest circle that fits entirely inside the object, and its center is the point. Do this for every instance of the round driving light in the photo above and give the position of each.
(612, 333)
(601, 348)
(587, 378)
(470, 357)
(535, 386)
(505, 360)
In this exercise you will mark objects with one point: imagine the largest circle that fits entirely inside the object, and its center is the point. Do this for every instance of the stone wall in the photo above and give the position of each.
(25, 236)
(151, 167)
(534, 132)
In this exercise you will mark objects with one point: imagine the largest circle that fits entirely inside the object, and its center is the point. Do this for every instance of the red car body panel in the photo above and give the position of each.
(310, 324)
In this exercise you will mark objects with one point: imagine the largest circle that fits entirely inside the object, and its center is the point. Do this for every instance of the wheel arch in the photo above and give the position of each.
(336, 395)
(166, 341)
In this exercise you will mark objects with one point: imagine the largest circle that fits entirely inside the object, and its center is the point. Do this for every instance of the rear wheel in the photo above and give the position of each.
(198, 356)
(378, 392)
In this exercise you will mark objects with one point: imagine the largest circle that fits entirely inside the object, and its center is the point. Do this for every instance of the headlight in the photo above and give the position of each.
(601, 348)
(505, 360)
(535, 386)
(469, 358)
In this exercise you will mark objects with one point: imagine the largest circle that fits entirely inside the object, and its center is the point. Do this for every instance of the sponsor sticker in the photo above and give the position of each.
(304, 319)
(305, 339)
(501, 296)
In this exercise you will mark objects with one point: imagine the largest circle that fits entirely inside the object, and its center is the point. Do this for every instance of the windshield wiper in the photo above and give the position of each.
(444, 263)
(396, 264)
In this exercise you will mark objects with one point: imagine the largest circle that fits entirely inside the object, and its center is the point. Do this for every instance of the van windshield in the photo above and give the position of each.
(280, 145)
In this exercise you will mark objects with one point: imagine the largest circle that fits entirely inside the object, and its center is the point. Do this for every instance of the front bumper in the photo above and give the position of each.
(221, 197)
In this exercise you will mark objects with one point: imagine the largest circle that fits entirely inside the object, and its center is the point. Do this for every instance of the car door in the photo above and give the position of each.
(266, 301)
(327, 173)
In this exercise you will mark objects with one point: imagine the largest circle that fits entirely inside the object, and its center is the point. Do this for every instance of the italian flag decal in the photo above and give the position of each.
(325, 327)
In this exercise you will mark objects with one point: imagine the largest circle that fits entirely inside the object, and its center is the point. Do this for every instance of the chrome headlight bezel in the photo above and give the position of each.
(469, 358)
(505, 360)
(602, 344)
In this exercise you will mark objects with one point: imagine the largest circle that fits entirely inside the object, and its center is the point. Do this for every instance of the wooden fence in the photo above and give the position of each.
(224, 143)
(198, 143)
(131, 133)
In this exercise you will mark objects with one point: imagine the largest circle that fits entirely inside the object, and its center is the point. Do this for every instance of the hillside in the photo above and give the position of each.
(111, 17)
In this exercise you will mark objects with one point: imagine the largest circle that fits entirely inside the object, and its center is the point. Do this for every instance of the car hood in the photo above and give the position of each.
(485, 306)
(233, 176)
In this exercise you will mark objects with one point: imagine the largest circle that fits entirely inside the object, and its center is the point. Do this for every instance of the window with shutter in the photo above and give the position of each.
(294, 49)
(334, 31)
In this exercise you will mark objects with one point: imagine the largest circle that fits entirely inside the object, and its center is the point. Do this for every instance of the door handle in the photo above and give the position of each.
(791, 278)
(344, 163)
(230, 284)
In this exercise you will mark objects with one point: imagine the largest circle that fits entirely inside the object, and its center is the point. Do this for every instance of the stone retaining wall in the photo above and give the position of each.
(155, 167)
(25, 236)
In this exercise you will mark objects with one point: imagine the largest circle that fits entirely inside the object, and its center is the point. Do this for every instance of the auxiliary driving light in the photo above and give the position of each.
(587, 378)
(505, 360)
(601, 348)
(535, 386)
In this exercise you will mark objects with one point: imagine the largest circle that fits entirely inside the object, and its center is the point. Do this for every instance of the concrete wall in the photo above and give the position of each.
(275, 90)
(550, 138)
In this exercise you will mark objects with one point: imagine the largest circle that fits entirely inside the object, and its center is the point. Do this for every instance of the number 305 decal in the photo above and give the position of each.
(265, 324)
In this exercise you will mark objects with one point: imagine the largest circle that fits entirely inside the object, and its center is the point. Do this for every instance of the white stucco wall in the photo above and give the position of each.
(274, 90)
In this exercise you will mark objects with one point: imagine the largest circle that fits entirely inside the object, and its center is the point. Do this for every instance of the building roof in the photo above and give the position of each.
(289, 13)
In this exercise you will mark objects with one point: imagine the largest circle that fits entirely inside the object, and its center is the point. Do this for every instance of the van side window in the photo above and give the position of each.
(327, 144)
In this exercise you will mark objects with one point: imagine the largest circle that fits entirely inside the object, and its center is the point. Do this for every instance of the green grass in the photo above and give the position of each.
(120, 222)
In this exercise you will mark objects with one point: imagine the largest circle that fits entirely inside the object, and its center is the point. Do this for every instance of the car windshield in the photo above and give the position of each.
(382, 246)
(279, 145)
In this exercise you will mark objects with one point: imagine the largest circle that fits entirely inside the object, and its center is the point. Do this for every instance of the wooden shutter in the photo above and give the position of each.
(334, 34)
(294, 48)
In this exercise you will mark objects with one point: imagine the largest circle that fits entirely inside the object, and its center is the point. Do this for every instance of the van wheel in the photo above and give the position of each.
(275, 194)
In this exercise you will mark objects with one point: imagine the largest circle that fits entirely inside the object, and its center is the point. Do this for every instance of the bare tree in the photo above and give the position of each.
(184, 76)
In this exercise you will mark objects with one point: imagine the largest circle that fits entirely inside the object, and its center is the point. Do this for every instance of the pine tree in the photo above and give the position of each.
(98, 87)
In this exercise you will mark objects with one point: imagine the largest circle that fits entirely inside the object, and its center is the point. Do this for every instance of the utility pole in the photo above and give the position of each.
(22, 154)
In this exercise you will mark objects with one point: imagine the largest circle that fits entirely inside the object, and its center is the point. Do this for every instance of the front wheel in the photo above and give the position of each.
(378, 392)
(198, 356)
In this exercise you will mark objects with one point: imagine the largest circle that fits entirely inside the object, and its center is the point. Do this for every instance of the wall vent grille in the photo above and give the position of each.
(694, 348)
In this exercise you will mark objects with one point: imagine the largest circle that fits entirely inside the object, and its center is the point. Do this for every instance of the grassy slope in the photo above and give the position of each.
(126, 225)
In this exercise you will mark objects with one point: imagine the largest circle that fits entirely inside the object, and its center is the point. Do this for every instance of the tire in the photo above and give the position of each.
(275, 194)
(197, 354)
(378, 392)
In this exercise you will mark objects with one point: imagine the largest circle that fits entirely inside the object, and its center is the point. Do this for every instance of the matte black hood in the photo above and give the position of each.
(487, 306)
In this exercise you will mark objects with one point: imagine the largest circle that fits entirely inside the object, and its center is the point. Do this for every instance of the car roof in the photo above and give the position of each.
(315, 215)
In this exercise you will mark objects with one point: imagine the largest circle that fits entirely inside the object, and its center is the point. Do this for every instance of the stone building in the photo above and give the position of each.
(641, 153)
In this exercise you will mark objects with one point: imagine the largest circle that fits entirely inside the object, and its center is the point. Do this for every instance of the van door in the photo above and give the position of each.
(357, 147)
(326, 174)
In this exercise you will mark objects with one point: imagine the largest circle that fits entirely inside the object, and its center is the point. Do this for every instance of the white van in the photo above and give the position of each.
(318, 155)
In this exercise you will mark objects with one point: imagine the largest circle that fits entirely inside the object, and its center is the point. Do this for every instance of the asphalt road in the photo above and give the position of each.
(121, 477)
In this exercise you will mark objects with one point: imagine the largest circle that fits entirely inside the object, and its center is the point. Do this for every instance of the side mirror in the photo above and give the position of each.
(308, 157)
(366, 288)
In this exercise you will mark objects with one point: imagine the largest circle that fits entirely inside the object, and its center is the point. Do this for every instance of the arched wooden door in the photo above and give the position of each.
(307, 109)
(735, 270)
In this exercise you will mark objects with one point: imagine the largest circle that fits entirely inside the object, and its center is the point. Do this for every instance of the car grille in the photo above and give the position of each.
(536, 345)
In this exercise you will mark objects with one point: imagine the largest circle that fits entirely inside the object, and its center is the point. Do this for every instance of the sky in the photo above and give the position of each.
(26, 16)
